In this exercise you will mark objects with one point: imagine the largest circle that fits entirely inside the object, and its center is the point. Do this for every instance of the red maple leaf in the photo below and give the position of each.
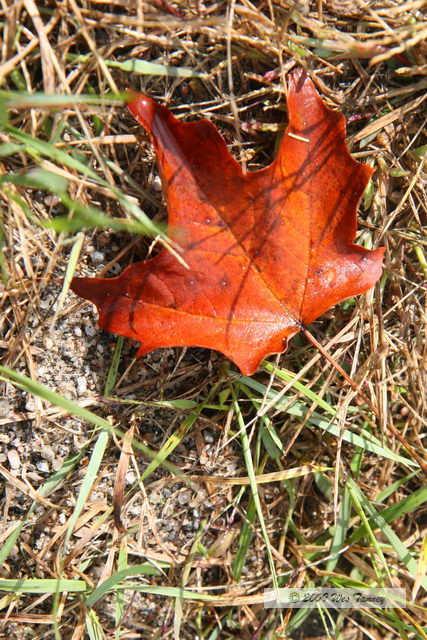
(267, 252)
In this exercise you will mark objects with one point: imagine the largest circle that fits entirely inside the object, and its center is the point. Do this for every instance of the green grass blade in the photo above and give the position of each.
(94, 626)
(3, 269)
(114, 367)
(39, 147)
(171, 443)
(10, 148)
(396, 510)
(143, 67)
(174, 440)
(374, 542)
(43, 585)
(388, 491)
(363, 439)
(122, 565)
(106, 586)
(244, 540)
(251, 474)
(288, 376)
(88, 481)
(69, 274)
(270, 439)
(37, 100)
(379, 522)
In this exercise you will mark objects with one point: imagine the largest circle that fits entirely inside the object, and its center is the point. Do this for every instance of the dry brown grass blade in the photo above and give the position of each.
(119, 485)
(29, 619)
(46, 52)
(26, 488)
(276, 476)
(363, 396)
(383, 121)
(94, 510)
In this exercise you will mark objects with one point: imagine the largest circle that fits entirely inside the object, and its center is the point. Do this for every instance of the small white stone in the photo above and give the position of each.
(43, 466)
(5, 408)
(81, 385)
(208, 437)
(57, 464)
(77, 332)
(14, 460)
(51, 200)
(46, 302)
(157, 183)
(130, 477)
(97, 257)
(184, 497)
(30, 404)
(47, 452)
(90, 331)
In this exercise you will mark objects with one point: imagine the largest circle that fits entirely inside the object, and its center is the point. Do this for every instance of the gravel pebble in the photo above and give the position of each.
(184, 497)
(208, 436)
(90, 331)
(30, 404)
(97, 257)
(13, 458)
(5, 408)
(81, 385)
(130, 477)
(57, 463)
(43, 466)
(157, 183)
(46, 302)
(51, 200)
(47, 452)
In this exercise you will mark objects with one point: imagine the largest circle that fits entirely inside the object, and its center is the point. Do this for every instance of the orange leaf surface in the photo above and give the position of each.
(267, 252)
